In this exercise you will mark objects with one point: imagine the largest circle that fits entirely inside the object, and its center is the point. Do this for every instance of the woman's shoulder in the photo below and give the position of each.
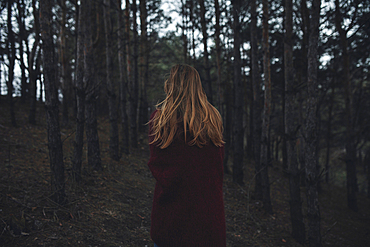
(153, 115)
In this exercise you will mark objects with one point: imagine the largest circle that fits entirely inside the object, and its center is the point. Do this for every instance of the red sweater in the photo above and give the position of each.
(188, 206)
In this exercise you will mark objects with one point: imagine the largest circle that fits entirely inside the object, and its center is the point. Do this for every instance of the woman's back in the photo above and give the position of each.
(188, 207)
(186, 159)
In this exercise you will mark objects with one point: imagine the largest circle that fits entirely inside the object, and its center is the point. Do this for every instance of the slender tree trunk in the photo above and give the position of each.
(51, 105)
(63, 63)
(284, 141)
(250, 106)
(11, 57)
(265, 161)
(21, 36)
(228, 115)
(111, 88)
(192, 41)
(33, 76)
(350, 135)
(184, 29)
(328, 135)
(291, 128)
(311, 138)
(93, 147)
(33, 57)
(144, 57)
(135, 86)
(238, 100)
(303, 78)
(80, 94)
(207, 80)
(257, 121)
(218, 52)
(123, 81)
(132, 78)
(228, 95)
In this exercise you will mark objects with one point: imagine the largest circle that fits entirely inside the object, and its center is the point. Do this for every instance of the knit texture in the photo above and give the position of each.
(188, 206)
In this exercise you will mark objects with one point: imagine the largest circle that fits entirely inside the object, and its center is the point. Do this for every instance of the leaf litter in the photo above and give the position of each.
(112, 207)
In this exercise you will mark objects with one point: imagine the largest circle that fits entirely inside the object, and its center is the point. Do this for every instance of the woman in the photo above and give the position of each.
(186, 156)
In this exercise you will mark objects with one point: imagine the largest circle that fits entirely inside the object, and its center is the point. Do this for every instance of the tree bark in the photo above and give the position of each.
(350, 158)
(21, 37)
(218, 51)
(291, 129)
(238, 175)
(33, 58)
(123, 81)
(111, 88)
(144, 67)
(184, 27)
(80, 94)
(63, 62)
(51, 105)
(265, 161)
(132, 77)
(135, 86)
(329, 135)
(257, 121)
(93, 147)
(11, 57)
(207, 80)
(311, 130)
(192, 18)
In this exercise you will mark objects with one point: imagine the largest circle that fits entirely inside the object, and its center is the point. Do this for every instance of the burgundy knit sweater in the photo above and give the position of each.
(188, 206)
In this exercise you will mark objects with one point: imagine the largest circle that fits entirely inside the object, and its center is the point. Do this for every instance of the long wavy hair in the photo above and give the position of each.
(186, 103)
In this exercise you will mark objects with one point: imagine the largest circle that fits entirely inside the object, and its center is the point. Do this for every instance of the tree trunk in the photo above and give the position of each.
(291, 128)
(228, 116)
(305, 27)
(311, 130)
(218, 52)
(111, 88)
(144, 67)
(328, 134)
(284, 141)
(207, 80)
(11, 57)
(350, 133)
(93, 147)
(123, 81)
(63, 62)
(184, 27)
(192, 18)
(80, 94)
(238, 100)
(33, 57)
(21, 36)
(135, 86)
(51, 105)
(265, 161)
(250, 106)
(132, 77)
(256, 101)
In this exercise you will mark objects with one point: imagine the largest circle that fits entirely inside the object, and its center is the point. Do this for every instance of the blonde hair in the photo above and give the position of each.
(186, 103)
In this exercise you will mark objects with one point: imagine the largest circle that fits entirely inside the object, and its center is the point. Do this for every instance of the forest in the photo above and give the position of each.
(79, 80)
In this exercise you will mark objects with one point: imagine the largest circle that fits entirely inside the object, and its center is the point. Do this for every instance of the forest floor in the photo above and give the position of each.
(112, 207)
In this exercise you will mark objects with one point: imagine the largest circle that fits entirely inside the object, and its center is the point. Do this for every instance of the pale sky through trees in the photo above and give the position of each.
(170, 8)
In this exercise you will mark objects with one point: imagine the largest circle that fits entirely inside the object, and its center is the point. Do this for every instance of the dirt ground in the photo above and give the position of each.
(112, 208)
